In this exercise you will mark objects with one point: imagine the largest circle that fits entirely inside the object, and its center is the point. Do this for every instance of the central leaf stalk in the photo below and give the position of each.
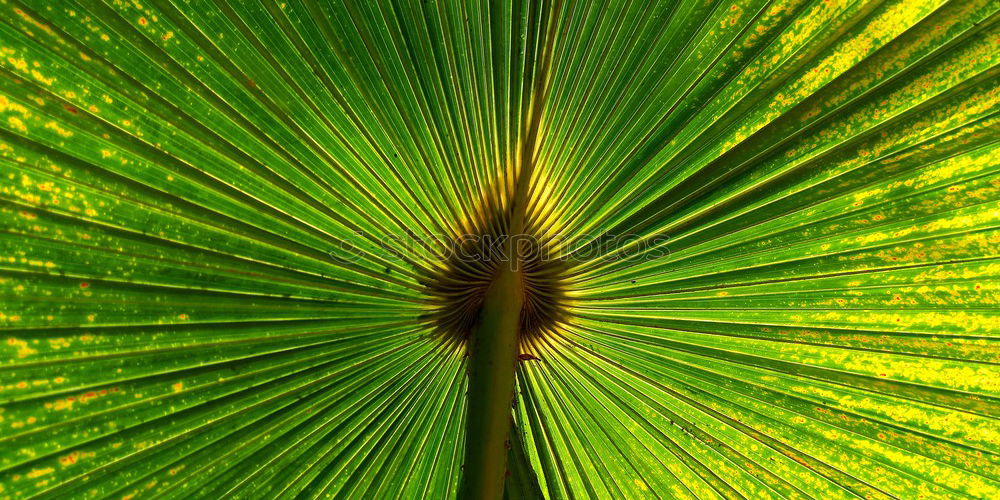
(491, 385)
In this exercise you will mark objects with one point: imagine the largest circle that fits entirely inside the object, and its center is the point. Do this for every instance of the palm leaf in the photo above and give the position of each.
(770, 234)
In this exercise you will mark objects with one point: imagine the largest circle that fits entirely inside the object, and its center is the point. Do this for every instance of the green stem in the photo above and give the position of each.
(491, 387)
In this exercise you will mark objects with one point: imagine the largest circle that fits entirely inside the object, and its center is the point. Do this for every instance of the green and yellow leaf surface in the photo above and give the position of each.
(776, 228)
